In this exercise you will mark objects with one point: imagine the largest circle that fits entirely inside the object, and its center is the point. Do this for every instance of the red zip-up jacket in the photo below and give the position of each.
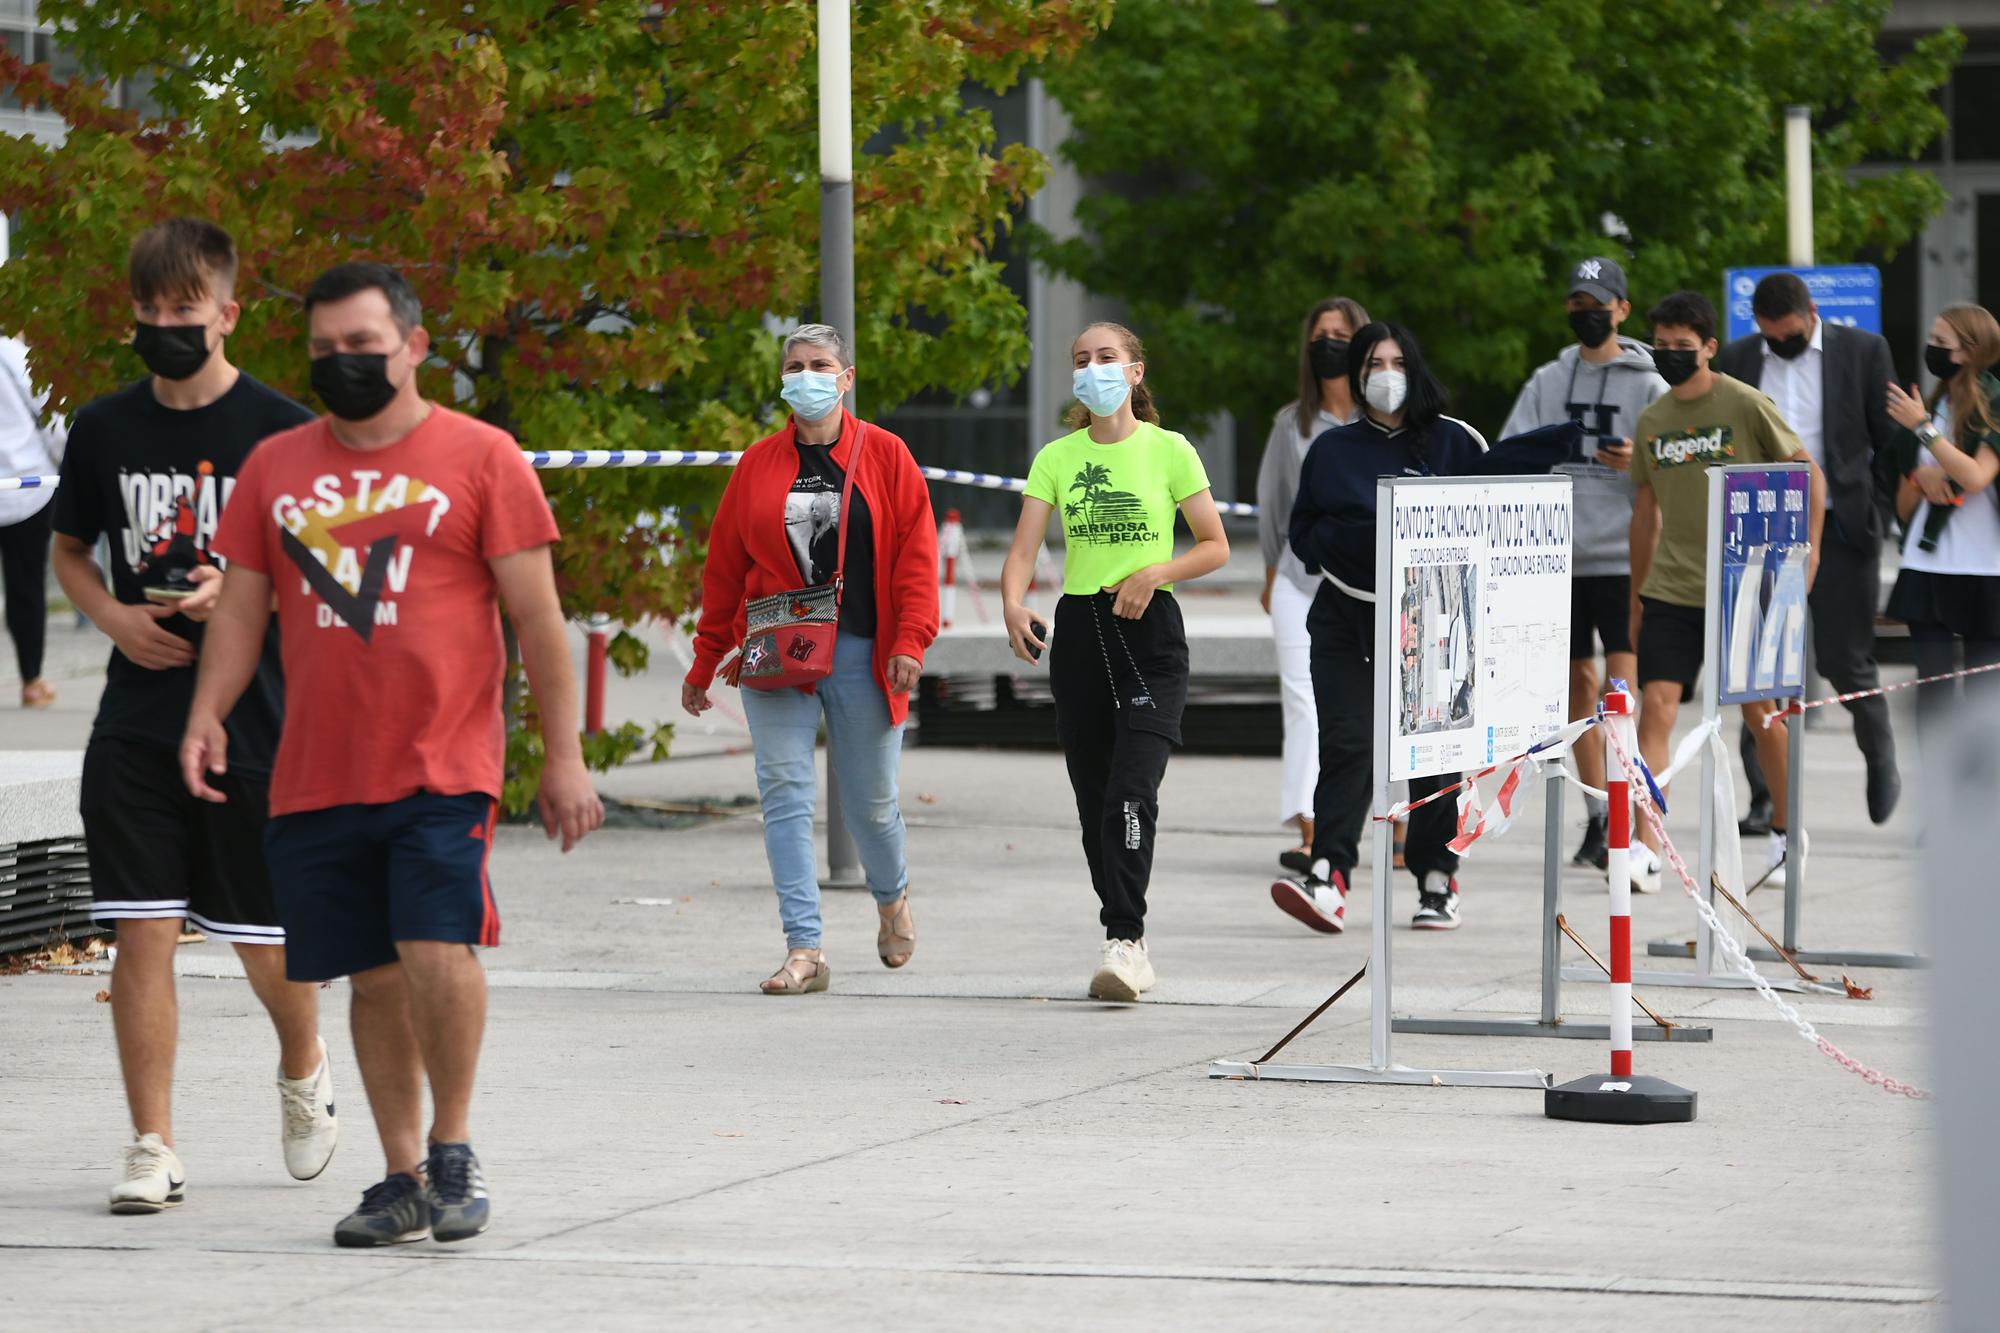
(749, 556)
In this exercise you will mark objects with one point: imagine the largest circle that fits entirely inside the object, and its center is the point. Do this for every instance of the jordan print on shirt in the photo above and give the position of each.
(346, 539)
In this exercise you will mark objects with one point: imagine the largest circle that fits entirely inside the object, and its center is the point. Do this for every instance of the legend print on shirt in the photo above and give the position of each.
(348, 539)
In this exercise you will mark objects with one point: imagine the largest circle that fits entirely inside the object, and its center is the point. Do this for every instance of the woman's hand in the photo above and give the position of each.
(1934, 484)
(1134, 593)
(904, 673)
(694, 698)
(1025, 631)
(1264, 598)
(1906, 409)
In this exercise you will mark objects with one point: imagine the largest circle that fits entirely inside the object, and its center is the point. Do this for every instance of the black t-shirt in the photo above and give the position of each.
(154, 479)
(812, 525)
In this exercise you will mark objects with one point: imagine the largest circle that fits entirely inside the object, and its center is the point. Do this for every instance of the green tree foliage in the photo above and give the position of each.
(601, 202)
(1444, 161)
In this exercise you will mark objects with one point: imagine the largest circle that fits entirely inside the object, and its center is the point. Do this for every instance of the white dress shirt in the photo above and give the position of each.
(1798, 387)
(27, 448)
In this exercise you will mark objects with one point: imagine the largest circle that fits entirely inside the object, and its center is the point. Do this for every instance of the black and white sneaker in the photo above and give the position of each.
(1437, 904)
(392, 1212)
(1318, 898)
(457, 1192)
(1595, 852)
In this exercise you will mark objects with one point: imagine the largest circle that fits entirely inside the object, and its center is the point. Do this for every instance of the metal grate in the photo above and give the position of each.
(44, 893)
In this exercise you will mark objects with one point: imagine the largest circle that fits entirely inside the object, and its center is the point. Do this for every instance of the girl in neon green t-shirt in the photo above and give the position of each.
(1118, 662)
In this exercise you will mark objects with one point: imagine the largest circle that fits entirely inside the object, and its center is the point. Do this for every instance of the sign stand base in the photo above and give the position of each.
(1398, 1074)
(1608, 1099)
(1845, 958)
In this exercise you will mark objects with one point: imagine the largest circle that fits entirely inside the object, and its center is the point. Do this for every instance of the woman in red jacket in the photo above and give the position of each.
(778, 529)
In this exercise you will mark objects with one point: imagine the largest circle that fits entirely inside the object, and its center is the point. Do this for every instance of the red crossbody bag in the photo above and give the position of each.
(789, 638)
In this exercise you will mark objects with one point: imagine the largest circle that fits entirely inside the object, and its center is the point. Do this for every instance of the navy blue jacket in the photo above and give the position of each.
(1333, 519)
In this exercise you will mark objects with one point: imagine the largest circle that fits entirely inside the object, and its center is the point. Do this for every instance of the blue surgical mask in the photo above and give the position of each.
(1101, 387)
(813, 394)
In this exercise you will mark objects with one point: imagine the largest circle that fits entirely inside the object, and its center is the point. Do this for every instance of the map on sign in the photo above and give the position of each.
(1764, 549)
(1477, 609)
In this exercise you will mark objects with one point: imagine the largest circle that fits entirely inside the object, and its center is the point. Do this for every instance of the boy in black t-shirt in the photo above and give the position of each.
(150, 468)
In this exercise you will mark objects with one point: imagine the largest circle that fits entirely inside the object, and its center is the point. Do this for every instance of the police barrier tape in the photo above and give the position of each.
(1798, 706)
(1726, 942)
(595, 458)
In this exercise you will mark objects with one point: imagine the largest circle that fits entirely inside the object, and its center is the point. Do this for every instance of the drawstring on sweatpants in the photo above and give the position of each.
(1145, 695)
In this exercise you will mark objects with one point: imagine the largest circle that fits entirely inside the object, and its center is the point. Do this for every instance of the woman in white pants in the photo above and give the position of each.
(1324, 401)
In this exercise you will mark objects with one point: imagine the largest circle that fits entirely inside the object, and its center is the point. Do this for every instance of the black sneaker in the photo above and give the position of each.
(1437, 910)
(457, 1192)
(1595, 851)
(393, 1212)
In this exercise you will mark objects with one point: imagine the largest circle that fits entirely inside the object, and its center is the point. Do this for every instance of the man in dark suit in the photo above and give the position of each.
(1831, 385)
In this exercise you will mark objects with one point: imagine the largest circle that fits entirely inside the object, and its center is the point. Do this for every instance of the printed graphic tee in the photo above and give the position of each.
(1117, 501)
(387, 606)
(154, 481)
(1674, 445)
(812, 526)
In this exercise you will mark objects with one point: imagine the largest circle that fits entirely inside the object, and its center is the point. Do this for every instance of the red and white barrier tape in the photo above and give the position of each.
(1733, 951)
(1799, 706)
(1554, 743)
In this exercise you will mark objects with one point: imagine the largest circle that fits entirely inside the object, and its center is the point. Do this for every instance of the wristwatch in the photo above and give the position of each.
(1926, 433)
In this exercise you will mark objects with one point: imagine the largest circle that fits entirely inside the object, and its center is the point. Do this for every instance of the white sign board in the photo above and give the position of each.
(1476, 613)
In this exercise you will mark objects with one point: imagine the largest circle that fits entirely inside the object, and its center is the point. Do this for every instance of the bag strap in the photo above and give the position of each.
(846, 508)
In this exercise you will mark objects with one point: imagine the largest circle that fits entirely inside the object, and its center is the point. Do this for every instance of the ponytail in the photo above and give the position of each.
(1143, 406)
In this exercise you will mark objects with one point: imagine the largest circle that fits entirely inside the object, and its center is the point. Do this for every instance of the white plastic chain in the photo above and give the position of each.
(1733, 951)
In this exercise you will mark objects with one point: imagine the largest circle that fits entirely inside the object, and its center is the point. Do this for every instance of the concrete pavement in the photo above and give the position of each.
(970, 1143)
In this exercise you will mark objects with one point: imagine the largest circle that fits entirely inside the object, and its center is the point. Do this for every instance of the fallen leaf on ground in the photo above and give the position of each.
(727, 1134)
(1855, 992)
(926, 798)
(104, 997)
(950, 1101)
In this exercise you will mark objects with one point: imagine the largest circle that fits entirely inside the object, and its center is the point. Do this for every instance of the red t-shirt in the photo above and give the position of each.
(388, 616)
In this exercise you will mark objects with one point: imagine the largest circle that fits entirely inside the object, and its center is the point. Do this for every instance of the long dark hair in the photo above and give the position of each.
(1307, 405)
(1427, 398)
(1078, 415)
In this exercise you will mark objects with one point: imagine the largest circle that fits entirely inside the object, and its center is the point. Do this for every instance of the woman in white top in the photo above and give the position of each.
(27, 449)
(1944, 461)
(1324, 401)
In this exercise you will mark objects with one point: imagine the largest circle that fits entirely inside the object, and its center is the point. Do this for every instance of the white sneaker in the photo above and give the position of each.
(305, 1108)
(153, 1178)
(1126, 973)
(1779, 845)
(1645, 865)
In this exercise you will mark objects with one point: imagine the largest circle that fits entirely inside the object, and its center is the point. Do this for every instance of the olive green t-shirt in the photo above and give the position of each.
(1117, 501)
(1675, 443)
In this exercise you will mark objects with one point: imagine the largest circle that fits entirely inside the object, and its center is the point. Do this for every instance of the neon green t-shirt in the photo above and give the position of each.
(1117, 501)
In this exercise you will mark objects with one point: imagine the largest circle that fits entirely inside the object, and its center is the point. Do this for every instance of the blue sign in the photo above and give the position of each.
(1765, 549)
(1849, 294)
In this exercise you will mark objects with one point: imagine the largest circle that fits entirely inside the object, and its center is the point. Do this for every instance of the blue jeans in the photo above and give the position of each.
(863, 750)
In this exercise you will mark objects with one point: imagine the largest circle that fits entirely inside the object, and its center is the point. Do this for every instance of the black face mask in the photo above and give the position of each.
(1789, 348)
(172, 351)
(1329, 358)
(353, 385)
(1676, 365)
(1937, 360)
(1591, 327)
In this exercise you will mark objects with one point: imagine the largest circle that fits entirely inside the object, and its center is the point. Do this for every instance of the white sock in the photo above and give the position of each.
(1437, 881)
(1323, 869)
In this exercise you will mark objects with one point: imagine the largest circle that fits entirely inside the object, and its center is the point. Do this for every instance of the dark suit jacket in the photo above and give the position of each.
(1855, 406)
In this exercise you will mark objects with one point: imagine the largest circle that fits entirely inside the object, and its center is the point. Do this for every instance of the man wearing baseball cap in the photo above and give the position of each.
(1602, 382)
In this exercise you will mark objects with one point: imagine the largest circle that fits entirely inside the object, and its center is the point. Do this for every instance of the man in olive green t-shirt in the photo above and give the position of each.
(1706, 420)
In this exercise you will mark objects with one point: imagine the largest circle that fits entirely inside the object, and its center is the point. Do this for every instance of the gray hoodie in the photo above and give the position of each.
(1605, 400)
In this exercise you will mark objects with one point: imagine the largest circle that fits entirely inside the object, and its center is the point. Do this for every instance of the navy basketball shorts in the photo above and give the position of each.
(353, 881)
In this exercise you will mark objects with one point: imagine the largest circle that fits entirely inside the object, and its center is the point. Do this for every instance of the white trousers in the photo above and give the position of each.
(1295, 689)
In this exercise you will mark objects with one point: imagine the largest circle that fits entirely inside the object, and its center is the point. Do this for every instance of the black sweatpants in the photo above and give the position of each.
(1120, 687)
(1843, 601)
(24, 574)
(1343, 675)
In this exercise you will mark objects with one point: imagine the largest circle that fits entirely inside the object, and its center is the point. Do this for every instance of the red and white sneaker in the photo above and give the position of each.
(1318, 898)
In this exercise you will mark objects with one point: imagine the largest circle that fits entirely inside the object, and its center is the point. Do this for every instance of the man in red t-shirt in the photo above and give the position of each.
(385, 532)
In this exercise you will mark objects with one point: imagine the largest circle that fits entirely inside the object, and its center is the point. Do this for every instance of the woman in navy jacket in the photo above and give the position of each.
(1403, 431)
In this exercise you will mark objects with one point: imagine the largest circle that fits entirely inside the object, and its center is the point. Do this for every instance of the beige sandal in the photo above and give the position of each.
(793, 980)
(896, 937)
(37, 693)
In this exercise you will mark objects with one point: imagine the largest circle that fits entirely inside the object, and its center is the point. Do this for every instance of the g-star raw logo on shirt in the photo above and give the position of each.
(1104, 517)
(345, 539)
(1688, 446)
